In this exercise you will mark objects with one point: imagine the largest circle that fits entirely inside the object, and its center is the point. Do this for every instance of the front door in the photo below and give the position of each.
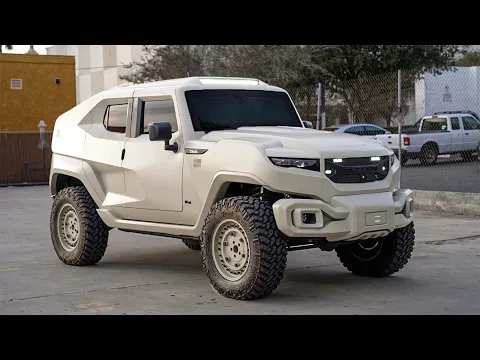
(153, 175)
(471, 129)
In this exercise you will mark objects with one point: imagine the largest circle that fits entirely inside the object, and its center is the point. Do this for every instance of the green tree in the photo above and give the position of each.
(363, 75)
(277, 64)
(471, 58)
(165, 62)
(9, 47)
(366, 75)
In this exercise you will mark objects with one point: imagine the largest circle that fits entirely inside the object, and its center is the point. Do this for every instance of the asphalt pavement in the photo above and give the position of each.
(449, 174)
(143, 274)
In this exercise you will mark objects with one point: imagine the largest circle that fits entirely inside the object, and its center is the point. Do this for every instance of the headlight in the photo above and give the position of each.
(309, 164)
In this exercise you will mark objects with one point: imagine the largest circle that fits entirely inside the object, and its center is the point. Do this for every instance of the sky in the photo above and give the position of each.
(22, 49)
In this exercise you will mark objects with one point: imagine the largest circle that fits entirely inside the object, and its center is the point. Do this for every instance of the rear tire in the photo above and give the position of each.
(429, 155)
(191, 244)
(244, 254)
(388, 256)
(78, 234)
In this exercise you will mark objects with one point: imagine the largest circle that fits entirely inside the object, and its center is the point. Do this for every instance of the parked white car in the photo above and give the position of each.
(366, 130)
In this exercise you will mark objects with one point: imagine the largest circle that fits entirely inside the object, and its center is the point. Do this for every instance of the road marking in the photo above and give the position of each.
(95, 306)
(8, 268)
(426, 254)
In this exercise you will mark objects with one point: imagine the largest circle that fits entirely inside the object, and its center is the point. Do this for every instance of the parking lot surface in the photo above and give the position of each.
(449, 174)
(152, 275)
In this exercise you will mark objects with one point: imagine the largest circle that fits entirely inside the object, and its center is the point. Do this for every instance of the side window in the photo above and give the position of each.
(159, 111)
(469, 123)
(434, 124)
(455, 123)
(356, 130)
(115, 119)
(372, 130)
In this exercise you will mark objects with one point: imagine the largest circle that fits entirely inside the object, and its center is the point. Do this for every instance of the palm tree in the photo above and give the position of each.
(9, 47)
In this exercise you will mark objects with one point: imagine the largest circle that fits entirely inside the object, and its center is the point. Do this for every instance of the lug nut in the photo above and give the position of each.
(227, 258)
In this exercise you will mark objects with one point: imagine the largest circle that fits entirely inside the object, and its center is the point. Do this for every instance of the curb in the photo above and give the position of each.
(448, 202)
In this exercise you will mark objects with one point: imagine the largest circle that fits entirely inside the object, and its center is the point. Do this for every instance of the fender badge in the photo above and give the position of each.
(195, 151)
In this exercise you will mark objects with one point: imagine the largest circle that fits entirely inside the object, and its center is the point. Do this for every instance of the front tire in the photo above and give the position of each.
(244, 254)
(382, 257)
(78, 234)
(471, 156)
(192, 244)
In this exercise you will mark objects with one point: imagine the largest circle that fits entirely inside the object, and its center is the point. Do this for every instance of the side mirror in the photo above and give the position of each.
(308, 124)
(162, 131)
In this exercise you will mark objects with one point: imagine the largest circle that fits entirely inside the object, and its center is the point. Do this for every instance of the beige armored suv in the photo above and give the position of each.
(227, 166)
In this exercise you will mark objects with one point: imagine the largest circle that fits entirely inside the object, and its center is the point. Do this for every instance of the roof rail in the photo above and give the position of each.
(473, 113)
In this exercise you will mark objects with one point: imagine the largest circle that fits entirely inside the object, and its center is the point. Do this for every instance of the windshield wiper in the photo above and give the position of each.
(214, 126)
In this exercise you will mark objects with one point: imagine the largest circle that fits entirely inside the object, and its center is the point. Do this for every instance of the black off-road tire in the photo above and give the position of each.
(394, 253)
(191, 244)
(93, 233)
(268, 248)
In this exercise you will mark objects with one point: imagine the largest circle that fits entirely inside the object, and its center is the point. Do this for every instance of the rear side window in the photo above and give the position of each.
(435, 124)
(115, 119)
(373, 130)
(357, 130)
(455, 123)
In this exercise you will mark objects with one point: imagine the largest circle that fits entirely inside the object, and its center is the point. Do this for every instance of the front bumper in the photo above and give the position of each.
(351, 217)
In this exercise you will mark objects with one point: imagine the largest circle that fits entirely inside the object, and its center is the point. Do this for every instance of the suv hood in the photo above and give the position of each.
(294, 142)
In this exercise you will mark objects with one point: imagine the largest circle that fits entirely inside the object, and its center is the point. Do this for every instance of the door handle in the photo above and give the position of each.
(467, 133)
(123, 154)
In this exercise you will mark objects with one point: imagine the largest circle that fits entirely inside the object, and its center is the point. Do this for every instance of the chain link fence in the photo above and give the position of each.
(24, 158)
(439, 153)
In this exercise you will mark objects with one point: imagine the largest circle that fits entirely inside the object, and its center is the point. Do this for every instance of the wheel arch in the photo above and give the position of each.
(61, 179)
(428, 144)
(226, 184)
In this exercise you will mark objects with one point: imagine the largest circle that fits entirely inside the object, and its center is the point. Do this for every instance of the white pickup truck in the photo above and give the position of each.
(439, 134)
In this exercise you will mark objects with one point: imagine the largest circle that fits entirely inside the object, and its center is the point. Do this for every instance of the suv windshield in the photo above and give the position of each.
(231, 109)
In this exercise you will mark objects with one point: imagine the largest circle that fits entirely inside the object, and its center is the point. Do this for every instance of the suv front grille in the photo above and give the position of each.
(357, 170)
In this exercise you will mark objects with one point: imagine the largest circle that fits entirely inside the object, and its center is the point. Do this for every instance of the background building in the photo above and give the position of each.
(451, 91)
(98, 67)
(35, 87)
